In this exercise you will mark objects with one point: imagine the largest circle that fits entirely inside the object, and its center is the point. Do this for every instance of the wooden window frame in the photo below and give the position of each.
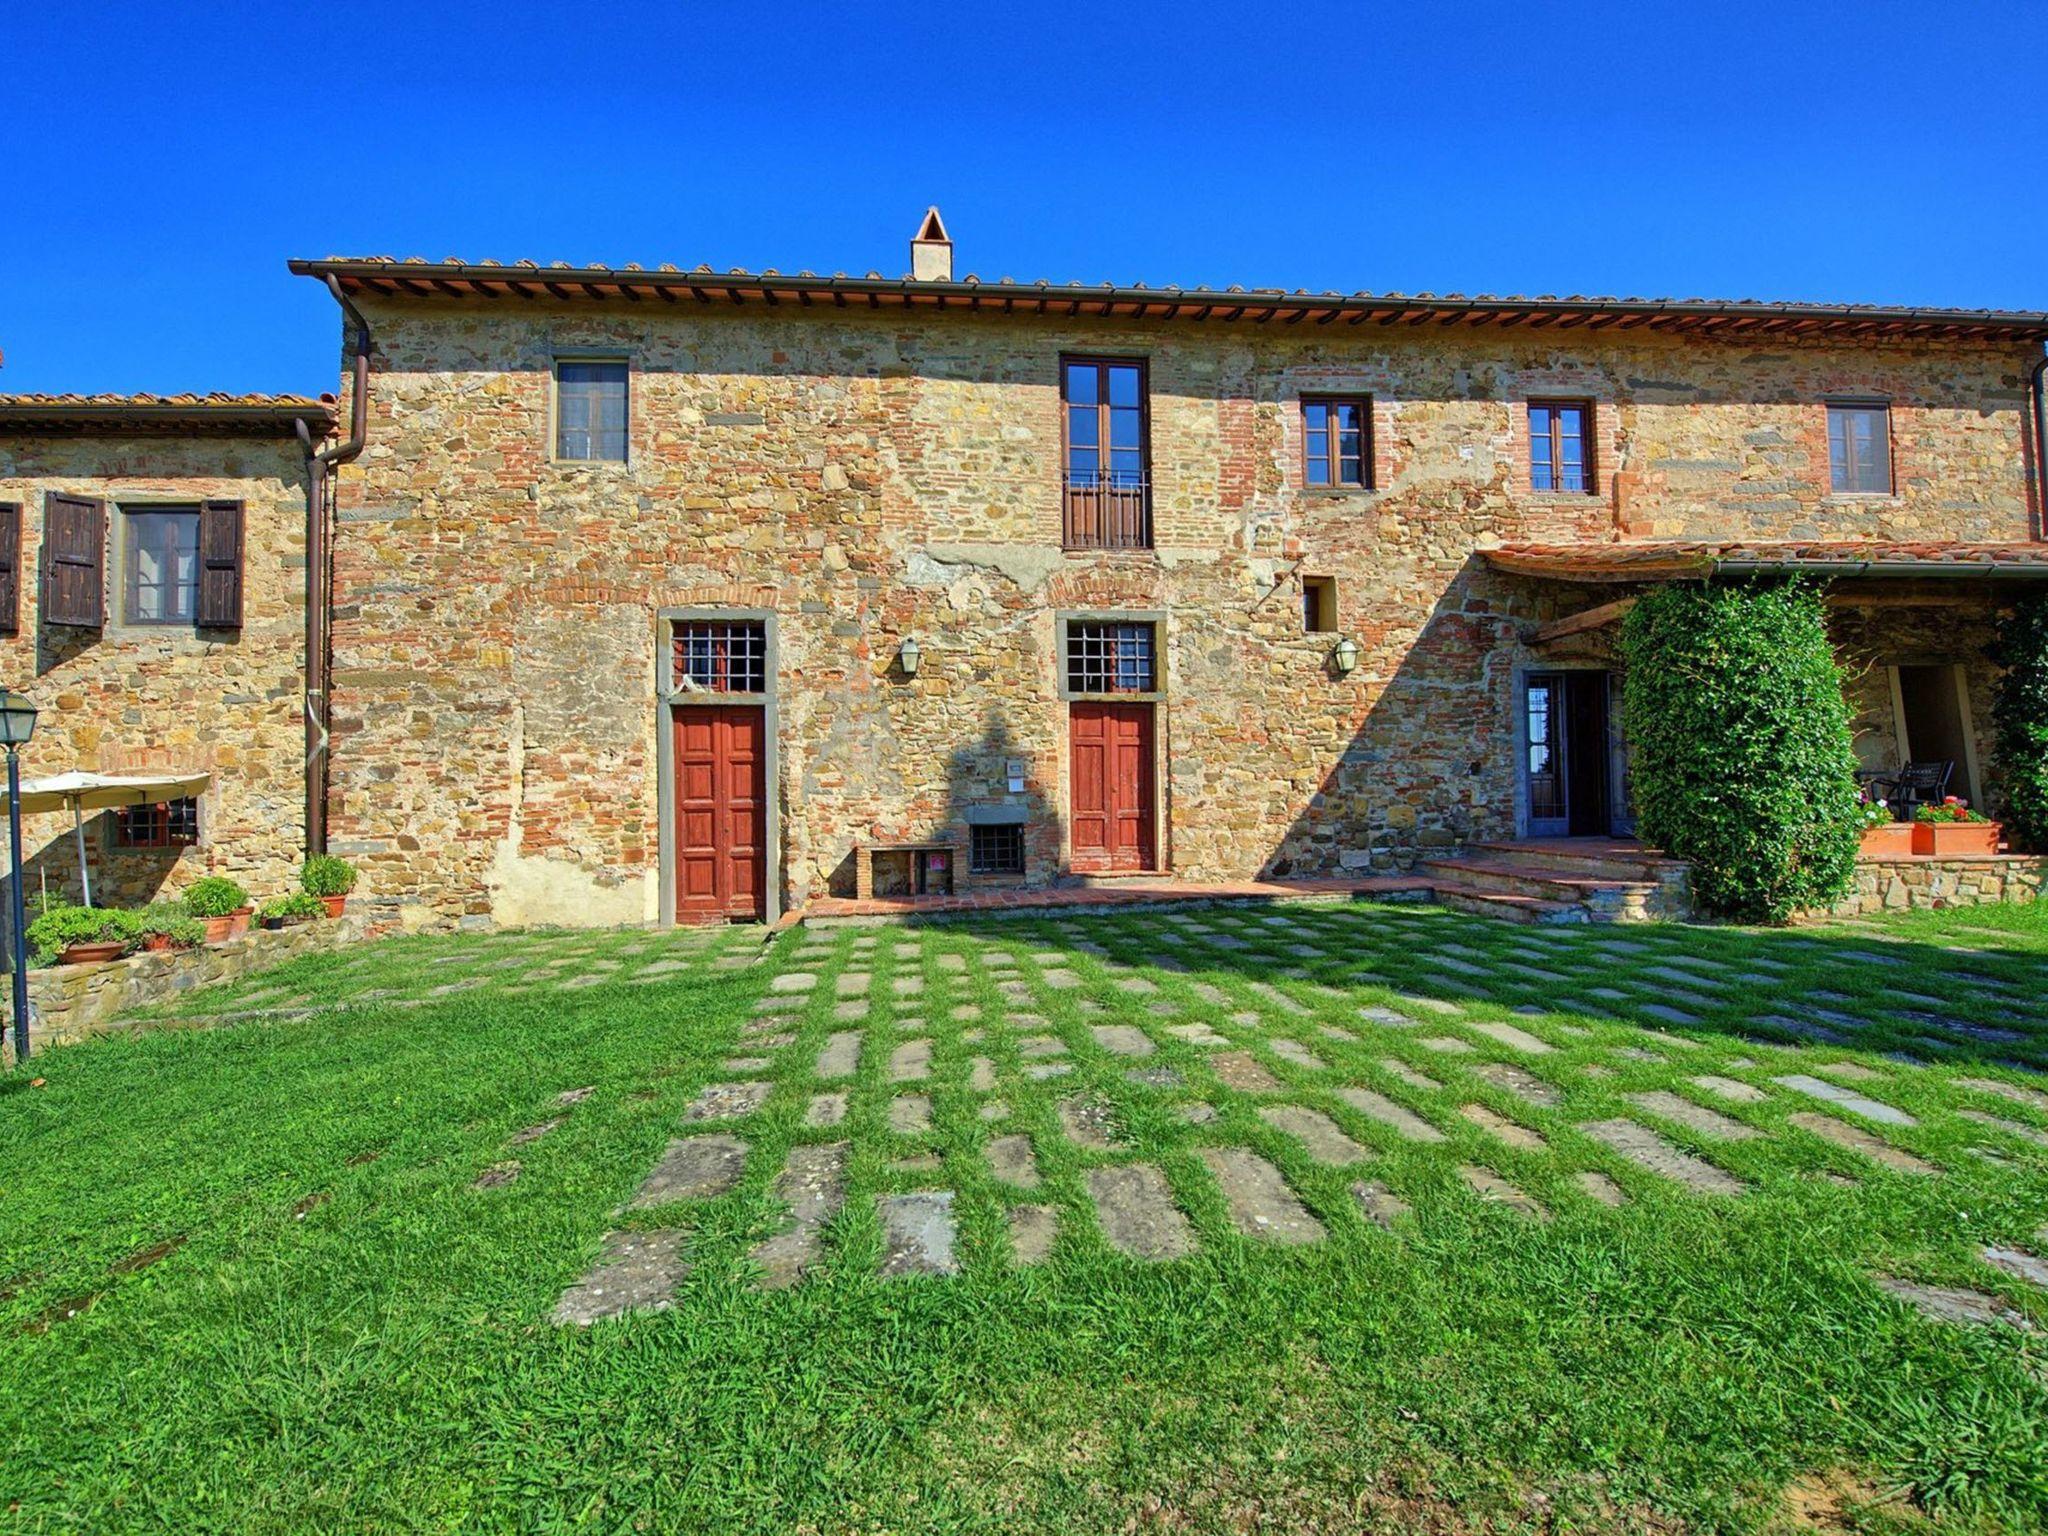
(162, 835)
(1101, 516)
(1363, 405)
(1882, 409)
(131, 572)
(593, 360)
(1589, 416)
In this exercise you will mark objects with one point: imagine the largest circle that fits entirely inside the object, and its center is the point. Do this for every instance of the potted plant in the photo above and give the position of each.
(331, 879)
(167, 925)
(286, 911)
(221, 904)
(82, 935)
(1884, 835)
(1952, 830)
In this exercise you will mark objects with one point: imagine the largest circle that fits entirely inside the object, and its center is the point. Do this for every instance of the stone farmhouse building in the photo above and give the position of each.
(650, 595)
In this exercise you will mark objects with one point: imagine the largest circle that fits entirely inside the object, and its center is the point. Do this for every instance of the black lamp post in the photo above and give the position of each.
(17, 724)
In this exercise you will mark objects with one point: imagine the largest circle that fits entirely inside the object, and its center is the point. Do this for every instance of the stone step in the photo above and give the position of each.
(1598, 893)
(1597, 860)
(1516, 909)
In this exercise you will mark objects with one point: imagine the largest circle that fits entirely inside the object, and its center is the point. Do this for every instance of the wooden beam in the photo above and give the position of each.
(1580, 623)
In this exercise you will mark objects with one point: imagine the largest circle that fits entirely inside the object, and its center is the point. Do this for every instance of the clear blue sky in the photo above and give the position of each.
(162, 161)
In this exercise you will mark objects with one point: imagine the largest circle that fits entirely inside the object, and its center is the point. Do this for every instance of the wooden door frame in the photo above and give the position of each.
(1615, 753)
(1158, 697)
(667, 701)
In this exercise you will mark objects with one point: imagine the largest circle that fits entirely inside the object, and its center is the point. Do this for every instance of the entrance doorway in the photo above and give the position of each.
(1568, 763)
(1110, 783)
(721, 813)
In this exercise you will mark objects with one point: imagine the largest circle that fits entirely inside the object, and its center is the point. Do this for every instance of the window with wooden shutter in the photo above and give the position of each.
(220, 565)
(75, 557)
(10, 568)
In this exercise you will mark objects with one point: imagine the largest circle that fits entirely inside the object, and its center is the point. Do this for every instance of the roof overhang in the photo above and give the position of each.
(184, 416)
(1734, 319)
(1613, 564)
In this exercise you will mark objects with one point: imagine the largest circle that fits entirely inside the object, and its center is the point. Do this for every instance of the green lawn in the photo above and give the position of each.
(249, 1280)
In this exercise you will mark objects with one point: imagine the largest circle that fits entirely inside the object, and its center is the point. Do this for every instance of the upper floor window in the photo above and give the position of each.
(590, 411)
(173, 825)
(1107, 453)
(162, 563)
(1336, 437)
(1860, 448)
(1111, 658)
(721, 656)
(1560, 445)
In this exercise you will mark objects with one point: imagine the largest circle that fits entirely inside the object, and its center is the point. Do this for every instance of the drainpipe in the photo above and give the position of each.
(2037, 385)
(320, 465)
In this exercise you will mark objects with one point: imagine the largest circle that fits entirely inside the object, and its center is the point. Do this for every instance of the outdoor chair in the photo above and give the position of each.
(1919, 784)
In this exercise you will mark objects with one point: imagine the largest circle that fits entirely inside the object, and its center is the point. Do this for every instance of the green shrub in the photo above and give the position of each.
(1741, 752)
(2019, 714)
(61, 927)
(170, 920)
(326, 875)
(295, 907)
(215, 896)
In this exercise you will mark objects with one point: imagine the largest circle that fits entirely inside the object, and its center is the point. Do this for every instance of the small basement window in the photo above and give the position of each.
(997, 850)
(721, 657)
(1319, 605)
(1111, 658)
(175, 825)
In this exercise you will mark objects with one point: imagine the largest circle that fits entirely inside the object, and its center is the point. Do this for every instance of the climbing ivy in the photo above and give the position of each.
(2020, 720)
(1741, 757)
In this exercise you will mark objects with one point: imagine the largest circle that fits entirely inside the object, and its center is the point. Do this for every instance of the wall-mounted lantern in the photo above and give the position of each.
(910, 656)
(1344, 656)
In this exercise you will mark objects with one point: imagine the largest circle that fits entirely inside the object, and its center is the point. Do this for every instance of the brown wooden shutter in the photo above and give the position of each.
(220, 565)
(10, 569)
(75, 559)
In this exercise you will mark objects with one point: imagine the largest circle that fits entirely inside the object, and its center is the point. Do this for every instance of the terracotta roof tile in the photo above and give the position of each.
(1668, 560)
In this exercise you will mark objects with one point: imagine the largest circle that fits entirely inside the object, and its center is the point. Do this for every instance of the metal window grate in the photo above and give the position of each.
(721, 657)
(997, 850)
(175, 825)
(1111, 658)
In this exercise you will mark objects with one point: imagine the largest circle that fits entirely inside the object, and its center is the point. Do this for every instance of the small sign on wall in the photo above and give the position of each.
(1014, 769)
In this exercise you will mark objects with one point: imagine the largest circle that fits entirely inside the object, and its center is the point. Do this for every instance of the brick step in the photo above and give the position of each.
(1599, 861)
(1597, 893)
(1110, 879)
(1506, 904)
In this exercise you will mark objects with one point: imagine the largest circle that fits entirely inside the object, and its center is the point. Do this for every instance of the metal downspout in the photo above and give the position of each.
(320, 465)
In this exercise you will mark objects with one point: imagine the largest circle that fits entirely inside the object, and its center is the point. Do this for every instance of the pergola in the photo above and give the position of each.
(82, 792)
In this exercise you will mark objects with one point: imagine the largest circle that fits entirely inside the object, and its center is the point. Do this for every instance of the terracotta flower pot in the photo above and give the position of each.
(157, 943)
(238, 921)
(1955, 839)
(219, 929)
(335, 905)
(90, 954)
(1893, 840)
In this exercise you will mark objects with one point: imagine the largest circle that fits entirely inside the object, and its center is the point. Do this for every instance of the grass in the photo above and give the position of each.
(248, 1283)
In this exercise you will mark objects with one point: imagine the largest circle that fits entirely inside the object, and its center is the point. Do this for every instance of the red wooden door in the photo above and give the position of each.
(1110, 786)
(721, 813)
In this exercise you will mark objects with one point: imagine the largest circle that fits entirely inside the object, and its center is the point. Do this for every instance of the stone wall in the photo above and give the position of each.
(68, 1003)
(152, 699)
(871, 477)
(1913, 885)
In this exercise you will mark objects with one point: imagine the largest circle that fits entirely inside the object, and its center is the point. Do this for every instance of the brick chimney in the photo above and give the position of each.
(931, 250)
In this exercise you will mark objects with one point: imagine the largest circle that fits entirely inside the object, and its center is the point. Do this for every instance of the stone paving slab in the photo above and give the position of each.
(1510, 1036)
(812, 1184)
(693, 1168)
(826, 1109)
(1294, 1051)
(1380, 1205)
(1597, 1186)
(2017, 1262)
(1951, 1304)
(1491, 1187)
(728, 1101)
(917, 1234)
(2031, 1133)
(910, 1062)
(1856, 1139)
(1011, 1159)
(1260, 1203)
(841, 1055)
(635, 1272)
(1134, 1204)
(1698, 1119)
(1519, 1137)
(910, 1114)
(1089, 1123)
(1241, 1070)
(1032, 1230)
(1396, 1067)
(1524, 1085)
(1644, 1147)
(1123, 1039)
(1843, 1098)
(1731, 1090)
(1324, 1141)
(1397, 1118)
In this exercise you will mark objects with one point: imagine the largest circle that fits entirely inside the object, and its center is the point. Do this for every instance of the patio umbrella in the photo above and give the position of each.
(82, 792)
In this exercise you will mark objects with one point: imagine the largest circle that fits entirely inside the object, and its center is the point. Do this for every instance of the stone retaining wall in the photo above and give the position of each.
(1916, 884)
(73, 1002)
